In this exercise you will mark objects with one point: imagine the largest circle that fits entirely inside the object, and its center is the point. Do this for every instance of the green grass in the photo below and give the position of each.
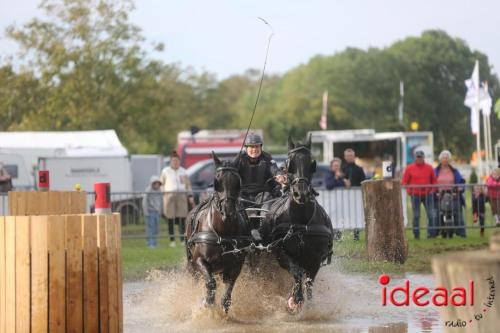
(138, 259)
(350, 256)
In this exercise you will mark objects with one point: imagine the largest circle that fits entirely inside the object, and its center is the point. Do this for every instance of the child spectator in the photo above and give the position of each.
(152, 205)
(478, 206)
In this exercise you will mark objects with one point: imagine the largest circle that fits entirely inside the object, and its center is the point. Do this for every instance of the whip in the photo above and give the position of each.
(261, 80)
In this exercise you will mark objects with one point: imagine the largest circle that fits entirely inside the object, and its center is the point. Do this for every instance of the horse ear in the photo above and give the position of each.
(308, 143)
(291, 145)
(313, 166)
(217, 162)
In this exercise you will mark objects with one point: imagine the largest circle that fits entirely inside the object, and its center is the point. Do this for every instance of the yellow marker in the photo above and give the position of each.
(414, 126)
(78, 187)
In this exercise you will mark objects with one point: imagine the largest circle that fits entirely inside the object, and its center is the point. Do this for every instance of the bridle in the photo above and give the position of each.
(220, 200)
(291, 154)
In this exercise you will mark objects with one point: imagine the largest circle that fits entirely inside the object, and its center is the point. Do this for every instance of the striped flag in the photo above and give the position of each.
(323, 121)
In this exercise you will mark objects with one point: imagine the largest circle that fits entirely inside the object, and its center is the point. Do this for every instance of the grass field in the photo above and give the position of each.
(349, 255)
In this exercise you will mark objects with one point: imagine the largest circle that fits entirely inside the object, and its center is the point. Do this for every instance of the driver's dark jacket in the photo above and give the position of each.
(257, 176)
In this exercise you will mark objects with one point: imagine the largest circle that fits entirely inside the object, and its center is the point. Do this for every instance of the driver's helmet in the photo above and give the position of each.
(253, 140)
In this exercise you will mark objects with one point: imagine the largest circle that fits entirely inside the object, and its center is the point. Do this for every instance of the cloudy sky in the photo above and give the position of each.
(225, 37)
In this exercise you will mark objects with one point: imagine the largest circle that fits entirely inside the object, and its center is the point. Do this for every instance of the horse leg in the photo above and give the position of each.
(297, 298)
(229, 279)
(310, 276)
(210, 283)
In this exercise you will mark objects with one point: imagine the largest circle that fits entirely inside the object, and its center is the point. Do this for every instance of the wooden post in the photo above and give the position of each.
(385, 234)
(458, 270)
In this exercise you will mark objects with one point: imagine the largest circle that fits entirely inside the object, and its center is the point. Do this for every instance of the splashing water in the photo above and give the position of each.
(171, 301)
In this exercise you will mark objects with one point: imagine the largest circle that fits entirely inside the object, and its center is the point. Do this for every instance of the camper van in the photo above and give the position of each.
(20, 151)
(84, 158)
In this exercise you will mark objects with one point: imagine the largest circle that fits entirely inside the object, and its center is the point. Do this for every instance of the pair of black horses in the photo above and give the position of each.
(296, 229)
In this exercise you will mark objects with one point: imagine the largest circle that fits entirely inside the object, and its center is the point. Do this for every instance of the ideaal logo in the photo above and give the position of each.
(439, 296)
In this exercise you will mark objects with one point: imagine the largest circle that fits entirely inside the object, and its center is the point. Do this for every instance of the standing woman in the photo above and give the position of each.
(177, 188)
(493, 183)
(446, 174)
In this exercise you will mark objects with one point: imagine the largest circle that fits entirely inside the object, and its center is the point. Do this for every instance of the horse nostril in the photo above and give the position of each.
(296, 194)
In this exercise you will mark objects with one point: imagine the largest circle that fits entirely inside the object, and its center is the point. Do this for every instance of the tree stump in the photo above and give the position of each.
(385, 234)
(458, 270)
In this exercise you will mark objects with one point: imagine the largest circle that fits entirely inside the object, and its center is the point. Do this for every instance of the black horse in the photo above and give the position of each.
(214, 227)
(297, 227)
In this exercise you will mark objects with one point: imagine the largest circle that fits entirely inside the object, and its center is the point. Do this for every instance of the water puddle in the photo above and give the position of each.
(171, 302)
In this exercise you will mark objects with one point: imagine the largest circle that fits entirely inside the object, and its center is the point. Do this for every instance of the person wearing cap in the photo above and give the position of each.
(152, 206)
(177, 188)
(415, 175)
(258, 171)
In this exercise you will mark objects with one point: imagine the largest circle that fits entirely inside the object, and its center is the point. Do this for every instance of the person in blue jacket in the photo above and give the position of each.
(335, 178)
(450, 178)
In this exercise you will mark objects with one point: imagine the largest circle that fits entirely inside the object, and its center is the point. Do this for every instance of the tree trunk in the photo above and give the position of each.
(457, 270)
(385, 234)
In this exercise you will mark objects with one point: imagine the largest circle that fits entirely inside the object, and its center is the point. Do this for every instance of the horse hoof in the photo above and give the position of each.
(293, 307)
(205, 304)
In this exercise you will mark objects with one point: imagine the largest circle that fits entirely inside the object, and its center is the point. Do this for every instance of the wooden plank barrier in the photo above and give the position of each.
(47, 203)
(60, 273)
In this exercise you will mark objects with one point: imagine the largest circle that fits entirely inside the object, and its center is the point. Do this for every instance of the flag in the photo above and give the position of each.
(323, 122)
(472, 85)
(474, 120)
(401, 99)
(472, 98)
(485, 101)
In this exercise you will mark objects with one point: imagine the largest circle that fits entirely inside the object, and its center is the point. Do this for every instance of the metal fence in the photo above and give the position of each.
(436, 208)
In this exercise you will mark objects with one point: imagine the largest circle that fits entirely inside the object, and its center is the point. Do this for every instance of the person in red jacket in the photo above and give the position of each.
(417, 174)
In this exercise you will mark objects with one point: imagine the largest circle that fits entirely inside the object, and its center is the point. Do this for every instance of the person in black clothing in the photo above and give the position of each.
(354, 173)
(261, 178)
(478, 206)
(258, 171)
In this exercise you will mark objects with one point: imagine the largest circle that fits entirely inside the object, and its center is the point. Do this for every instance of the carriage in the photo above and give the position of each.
(293, 227)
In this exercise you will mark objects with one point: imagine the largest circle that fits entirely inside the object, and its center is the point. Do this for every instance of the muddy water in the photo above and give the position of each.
(171, 302)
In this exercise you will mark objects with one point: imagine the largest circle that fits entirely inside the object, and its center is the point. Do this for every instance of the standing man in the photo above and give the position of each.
(421, 173)
(177, 186)
(354, 173)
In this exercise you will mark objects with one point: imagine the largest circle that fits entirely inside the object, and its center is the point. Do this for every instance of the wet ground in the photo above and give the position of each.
(171, 302)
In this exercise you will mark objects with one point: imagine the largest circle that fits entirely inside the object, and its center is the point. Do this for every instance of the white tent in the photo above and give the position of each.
(29, 146)
(82, 143)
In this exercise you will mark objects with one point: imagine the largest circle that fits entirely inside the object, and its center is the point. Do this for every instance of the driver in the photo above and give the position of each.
(258, 171)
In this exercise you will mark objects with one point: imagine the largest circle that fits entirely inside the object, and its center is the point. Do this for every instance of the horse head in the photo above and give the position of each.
(227, 186)
(300, 167)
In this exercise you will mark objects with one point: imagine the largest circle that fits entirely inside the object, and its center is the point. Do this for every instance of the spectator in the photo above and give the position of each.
(417, 174)
(354, 173)
(5, 180)
(335, 177)
(176, 184)
(152, 206)
(478, 206)
(446, 174)
(493, 183)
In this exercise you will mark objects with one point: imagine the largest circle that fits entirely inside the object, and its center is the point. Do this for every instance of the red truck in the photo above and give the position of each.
(193, 148)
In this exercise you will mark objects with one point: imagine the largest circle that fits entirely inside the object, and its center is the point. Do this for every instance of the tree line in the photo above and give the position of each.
(84, 65)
